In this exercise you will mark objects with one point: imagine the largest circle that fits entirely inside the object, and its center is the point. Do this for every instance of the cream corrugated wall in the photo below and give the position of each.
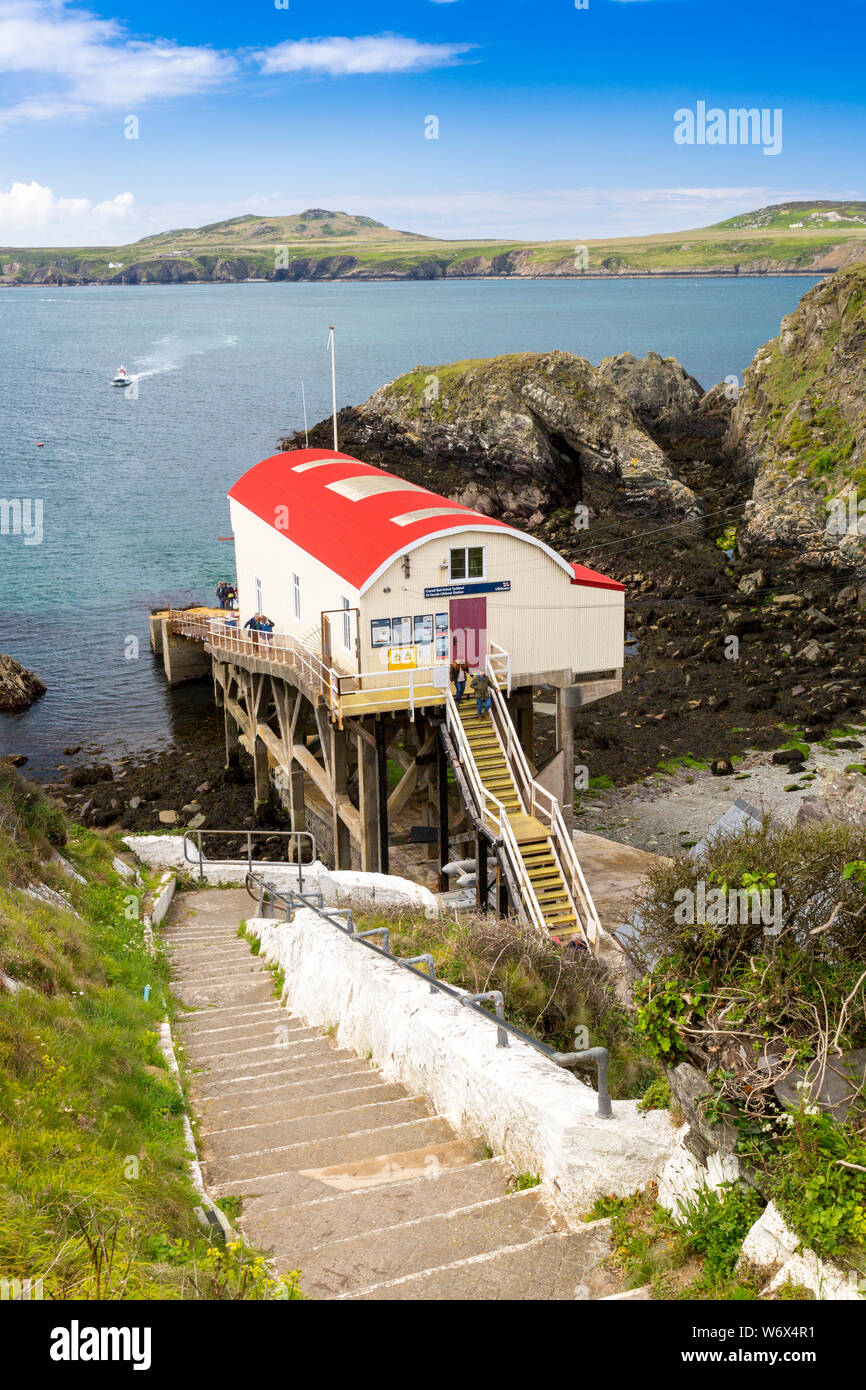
(544, 621)
(263, 553)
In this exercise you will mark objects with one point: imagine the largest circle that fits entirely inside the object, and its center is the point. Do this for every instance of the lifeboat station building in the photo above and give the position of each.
(373, 588)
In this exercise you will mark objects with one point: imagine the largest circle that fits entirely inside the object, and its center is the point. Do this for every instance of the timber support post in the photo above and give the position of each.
(368, 801)
(382, 794)
(442, 785)
(481, 875)
(339, 761)
(232, 741)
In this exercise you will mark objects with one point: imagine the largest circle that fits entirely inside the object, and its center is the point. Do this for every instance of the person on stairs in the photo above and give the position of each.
(458, 673)
(481, 691)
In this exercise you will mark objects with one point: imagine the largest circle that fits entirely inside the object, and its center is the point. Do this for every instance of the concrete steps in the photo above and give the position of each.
(342, 1173)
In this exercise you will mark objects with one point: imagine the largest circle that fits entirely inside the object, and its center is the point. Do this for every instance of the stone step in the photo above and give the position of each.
(558, 1267)
(306, 1225)
(224, 1017)
(249, 1171)
(245, 1060)
(361, 1176)
(256, 988)
(314, 1081)
(207, 1087)
(277, 1037)
(290, 1107)
(239, 1033)
(426, 1242)
(272, 1135)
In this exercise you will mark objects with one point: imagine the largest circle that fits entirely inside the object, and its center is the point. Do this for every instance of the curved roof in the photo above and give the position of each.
(356, 519)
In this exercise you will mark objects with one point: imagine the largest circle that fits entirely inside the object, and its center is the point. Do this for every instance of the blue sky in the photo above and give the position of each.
(553, 121)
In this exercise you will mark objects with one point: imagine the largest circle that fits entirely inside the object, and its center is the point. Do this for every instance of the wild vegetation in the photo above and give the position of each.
(552, 994)
(95, 1197)
(757, 1005)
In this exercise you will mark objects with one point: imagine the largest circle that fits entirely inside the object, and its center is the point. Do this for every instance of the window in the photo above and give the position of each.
(260, 603)
(296, 596)
(347, 626)
(468, 562)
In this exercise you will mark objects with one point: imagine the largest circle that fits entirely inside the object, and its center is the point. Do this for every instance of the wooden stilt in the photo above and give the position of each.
(382, 794)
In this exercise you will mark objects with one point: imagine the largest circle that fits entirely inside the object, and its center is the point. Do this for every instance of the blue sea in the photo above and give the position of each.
(133, 483)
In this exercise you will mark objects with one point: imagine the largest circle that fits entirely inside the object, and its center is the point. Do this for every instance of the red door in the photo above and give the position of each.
(469, 630)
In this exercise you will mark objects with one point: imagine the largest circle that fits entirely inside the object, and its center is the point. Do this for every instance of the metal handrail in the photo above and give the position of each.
(291, 901)
(491, 808)
(296, 835)
(542, 804)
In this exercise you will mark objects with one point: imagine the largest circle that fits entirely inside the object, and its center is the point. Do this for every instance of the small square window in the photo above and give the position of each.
(458, 564)
(476, 562)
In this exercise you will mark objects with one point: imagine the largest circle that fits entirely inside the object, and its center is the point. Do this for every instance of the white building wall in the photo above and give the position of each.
(544, 621)
(261, 552)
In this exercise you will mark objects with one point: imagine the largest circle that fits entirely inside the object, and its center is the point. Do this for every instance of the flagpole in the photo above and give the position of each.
(334, 386)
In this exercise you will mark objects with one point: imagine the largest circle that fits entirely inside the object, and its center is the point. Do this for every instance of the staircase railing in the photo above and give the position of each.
(492, 811)
(544, 806)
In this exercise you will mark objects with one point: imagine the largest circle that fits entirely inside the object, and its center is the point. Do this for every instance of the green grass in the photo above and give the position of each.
(95, 1196)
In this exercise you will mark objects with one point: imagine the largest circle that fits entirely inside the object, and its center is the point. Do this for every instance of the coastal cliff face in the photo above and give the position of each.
(798, 432)
(517, 436)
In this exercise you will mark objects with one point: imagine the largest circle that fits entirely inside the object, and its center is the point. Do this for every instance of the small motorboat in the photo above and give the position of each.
(121, 377)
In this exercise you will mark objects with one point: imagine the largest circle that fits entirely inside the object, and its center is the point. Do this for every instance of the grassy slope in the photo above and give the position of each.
(94, 1193)
(386, 250)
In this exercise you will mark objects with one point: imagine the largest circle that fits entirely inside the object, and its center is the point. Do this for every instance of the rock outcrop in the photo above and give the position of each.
(516, 436)
(799, 431)
(18, 686)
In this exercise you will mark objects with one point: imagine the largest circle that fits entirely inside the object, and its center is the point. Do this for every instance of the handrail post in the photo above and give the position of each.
(427, 960)
(494, 996)
(384, 932)
(601, 1057)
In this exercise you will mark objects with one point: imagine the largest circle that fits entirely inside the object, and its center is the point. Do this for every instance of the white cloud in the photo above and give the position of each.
(340, 57)
(93, 64)
(44, 219)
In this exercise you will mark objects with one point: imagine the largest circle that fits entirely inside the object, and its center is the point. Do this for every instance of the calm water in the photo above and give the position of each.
(134, 490)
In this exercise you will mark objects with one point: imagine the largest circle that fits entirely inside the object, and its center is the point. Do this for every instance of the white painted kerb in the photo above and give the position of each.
(542, 1119)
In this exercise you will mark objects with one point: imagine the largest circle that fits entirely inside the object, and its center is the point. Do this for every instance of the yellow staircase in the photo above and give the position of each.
(533, 840)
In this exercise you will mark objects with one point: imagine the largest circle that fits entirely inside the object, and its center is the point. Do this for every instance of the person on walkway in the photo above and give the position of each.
(252, 626)
(481, 691)
(266, 626)
(457, 675)
(222, 591)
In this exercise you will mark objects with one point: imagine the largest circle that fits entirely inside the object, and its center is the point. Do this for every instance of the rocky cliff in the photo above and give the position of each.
(798, 433)
(518, 436)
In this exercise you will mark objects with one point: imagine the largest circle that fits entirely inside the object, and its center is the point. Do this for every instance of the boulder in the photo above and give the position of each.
(18, 686)
(89, 776)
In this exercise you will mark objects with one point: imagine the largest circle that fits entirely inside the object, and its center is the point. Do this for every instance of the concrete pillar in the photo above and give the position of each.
(565, 747)
(262, 799)
(523, 718)
(368, 805)
(339, 788)
(183, 658)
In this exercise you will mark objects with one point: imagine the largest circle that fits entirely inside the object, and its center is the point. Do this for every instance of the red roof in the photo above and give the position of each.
(593, 580)
(355, 519)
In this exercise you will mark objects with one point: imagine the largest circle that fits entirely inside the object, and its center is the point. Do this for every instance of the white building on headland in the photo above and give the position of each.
(380, 577)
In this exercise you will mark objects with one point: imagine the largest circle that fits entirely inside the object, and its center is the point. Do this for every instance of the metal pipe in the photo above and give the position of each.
(601, 1057)
(419, 960)
(384, 932)
(495, 997)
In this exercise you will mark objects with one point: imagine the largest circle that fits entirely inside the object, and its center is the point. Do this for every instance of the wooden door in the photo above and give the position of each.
(469, 630)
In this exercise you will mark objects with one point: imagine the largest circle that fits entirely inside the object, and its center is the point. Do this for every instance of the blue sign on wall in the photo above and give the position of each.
(502, 586)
